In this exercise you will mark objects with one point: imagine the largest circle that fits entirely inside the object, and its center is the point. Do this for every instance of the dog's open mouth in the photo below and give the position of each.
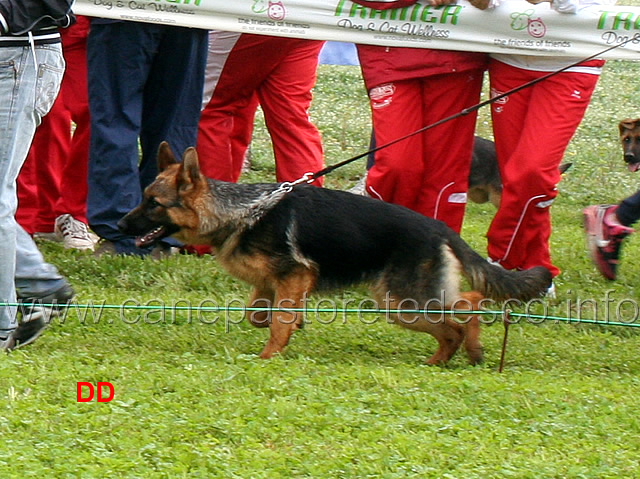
(633, 167)
(151, 237)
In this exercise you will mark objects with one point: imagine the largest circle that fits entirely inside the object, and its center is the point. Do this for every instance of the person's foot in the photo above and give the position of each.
(73, 233)
(551, 292)
(51, 302)
(604, 238)
(27, 332)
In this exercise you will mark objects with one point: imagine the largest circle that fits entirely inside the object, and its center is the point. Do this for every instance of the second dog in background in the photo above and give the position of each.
(485, 183)
(630, 140)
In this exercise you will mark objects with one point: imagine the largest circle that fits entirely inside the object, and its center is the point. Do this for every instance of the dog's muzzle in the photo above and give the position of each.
(632, 162)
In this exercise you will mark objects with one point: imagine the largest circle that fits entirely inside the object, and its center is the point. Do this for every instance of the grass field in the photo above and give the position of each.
(351, 396)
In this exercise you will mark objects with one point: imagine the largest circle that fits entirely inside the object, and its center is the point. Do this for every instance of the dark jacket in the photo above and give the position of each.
(38, 17)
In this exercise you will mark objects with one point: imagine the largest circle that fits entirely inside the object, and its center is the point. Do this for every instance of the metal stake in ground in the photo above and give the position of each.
(507, 322)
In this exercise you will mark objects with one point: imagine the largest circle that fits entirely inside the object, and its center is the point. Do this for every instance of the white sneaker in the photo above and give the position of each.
(360, 187)
(551, 292)
(494, 262)
(74, 233)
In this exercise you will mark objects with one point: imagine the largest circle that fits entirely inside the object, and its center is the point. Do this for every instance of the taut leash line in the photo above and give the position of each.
(310, 177)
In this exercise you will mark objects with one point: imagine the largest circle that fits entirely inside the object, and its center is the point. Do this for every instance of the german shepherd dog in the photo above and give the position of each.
(485, 183)
(290, 241)
(630, 140)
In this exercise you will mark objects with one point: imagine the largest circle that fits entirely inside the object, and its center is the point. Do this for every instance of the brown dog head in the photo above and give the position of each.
(167, 205)
(630, 140)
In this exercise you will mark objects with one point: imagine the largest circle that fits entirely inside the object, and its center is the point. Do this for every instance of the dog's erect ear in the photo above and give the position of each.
(628, 124)
(190, 170)
(166, 157)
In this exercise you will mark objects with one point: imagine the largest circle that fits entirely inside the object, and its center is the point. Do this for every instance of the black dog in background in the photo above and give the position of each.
(485, 183)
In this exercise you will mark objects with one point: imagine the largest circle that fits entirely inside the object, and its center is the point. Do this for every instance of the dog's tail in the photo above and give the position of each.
(495, 282)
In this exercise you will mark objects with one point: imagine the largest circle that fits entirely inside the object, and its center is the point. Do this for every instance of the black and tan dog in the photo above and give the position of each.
(289, 242)
(485, 183)
(630, 140)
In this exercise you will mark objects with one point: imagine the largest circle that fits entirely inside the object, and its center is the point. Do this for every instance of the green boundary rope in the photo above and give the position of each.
(532, 318)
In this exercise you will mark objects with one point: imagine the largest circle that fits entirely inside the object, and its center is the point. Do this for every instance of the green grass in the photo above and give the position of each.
(347, 399)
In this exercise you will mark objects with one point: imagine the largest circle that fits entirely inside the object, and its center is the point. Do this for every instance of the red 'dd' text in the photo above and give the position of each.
(89, 392)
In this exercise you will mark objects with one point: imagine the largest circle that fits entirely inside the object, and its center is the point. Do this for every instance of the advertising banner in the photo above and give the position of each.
(514, 27)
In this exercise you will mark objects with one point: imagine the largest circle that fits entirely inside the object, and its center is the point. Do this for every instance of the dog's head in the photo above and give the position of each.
(630, 139)
(167, 205)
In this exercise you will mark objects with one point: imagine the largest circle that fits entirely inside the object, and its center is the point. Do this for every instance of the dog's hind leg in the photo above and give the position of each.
(449, 335)
(291, 293)
(261, 298)
(447, 332)
(472, 345)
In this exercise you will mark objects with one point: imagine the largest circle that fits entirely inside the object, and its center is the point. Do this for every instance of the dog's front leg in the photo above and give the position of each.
(261, 298)
(291, 293)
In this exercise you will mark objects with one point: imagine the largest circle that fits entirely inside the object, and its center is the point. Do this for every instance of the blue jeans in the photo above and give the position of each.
(27, 92)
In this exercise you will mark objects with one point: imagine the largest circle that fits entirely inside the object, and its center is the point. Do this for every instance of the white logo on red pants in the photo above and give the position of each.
(382, 96)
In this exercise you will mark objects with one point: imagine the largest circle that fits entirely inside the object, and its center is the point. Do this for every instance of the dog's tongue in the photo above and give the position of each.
(633, 167)
(150, 238)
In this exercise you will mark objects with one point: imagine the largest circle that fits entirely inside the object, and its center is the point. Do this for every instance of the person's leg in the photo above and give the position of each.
(448, 147)
(246, 61)
(606, 226)
(285, 97)
(396, 175)
(216, 124)
(28, 91)
(243, 120)
(74, 92)
(27, 191)
(39, 182)
(605, 235)
(35, 278)
(172, 99)
(71, 207)
(50, 152)
(172, 96)
(518, 235)
(628, 211)
(119, 60)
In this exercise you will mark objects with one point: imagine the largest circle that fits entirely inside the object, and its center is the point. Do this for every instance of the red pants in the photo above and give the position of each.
(280, 73)
(428, 172)
(532, 129)
(53, 180)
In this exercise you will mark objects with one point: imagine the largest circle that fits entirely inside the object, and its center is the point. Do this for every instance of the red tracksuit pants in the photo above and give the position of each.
(429, 172)
(53, 180)
(532, 129)
(281, 73)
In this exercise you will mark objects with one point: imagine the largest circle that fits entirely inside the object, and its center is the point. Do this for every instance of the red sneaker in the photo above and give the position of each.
(604, 239)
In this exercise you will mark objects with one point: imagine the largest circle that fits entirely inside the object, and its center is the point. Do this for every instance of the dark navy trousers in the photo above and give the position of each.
(628, 211)
(145, 86)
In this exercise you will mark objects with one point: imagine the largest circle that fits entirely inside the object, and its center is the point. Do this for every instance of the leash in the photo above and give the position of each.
(310, 177)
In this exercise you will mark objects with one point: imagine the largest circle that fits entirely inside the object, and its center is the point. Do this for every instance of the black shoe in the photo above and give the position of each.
(53, 301)
(26, 333)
